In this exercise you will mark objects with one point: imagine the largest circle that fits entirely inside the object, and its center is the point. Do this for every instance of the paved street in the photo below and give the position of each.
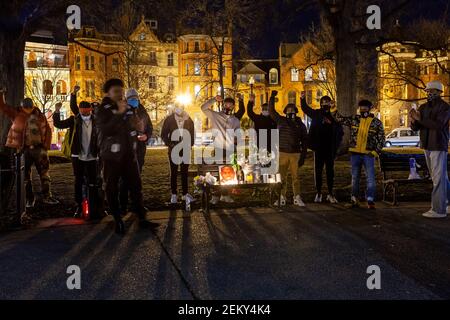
(321, 252)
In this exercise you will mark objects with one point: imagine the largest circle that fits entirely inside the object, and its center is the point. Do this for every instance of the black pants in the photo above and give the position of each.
(128, 170)
(322, 159)
(82, 170)
(184, 168)
(124, 190)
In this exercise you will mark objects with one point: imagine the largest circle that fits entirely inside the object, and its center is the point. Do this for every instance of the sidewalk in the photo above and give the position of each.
(321, 252)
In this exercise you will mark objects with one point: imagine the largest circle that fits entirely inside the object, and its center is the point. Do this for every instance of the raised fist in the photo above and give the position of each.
(274, 93)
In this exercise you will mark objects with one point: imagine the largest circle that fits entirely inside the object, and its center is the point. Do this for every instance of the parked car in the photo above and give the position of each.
(402, 137)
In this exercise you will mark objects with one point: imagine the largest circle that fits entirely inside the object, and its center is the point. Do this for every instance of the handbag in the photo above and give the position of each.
(66, 147)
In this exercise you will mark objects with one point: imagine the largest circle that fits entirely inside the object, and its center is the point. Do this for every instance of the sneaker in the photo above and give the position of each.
(188, 199)
(298, 201)
(283, 202)
(214, 200)
(318, 198)
(50, 200)
(354, 203)
(433, 214)
(371, 205)
(226, 199)
(332, 199)
(174, 199)
(78, 212)
(30, 203)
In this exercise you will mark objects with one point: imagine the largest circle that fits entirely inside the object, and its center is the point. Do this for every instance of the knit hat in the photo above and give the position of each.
(131, 93)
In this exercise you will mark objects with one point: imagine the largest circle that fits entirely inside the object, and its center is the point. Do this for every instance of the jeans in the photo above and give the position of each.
(368, 162)
(437, 166)
(322, 159)
(184, 167)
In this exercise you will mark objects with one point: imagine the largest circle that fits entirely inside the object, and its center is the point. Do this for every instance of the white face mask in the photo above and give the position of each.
(265, 113)
(85, 118)
(178, 111)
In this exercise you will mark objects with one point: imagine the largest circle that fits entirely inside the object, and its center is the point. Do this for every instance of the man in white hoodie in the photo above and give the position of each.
(224, 123)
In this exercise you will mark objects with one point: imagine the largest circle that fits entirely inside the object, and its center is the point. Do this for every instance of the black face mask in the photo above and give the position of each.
(325, 107)
(364, 114)
(227, 111)
(431, 96)
(290, 116)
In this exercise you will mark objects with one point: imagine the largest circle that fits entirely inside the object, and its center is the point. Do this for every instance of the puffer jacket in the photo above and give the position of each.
(366, 134)
(433, 125)
(16, 134)
(292, 133)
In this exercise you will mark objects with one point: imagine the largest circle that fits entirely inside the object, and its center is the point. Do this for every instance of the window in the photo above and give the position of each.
(115, 64)
(206, 69)
(170, 59)
(243, 78)
(401, 67)
(77, 62)
(323, 74)
(152, 82)
(61, 88)
(404, 133)
(197, 46)
(187, 69)
(318, 95)
(197, 68)
(87, 62)
(425, 70)
(292, 97)
(273, 76)
(47, 87)
(152, 57)
(294, 74)
(197, 89)
(308, 74)
(90, 88)
(393, 135)
(170, 83)
(309, 97)
(92, 63)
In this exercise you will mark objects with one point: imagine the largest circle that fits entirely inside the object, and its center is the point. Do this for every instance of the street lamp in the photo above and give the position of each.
(183, 99)
(251, 82)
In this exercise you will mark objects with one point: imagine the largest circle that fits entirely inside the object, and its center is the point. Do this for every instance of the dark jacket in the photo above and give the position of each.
(292, 133)
(322, 137)
(241, 110)
(76, 122)
(433, 125)
(261, 122)
(116, 133)
(170, 125)
(148, 129)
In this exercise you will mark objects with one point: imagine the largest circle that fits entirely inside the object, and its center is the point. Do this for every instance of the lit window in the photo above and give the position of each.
(152, 82)
(292, 97)
(308, 74)
(323, 74)
(197, 68)
(61, 87)
(273, 76)
(153, 57)
(170, 59)
(197, 89)
(294, 74)
(47, 87)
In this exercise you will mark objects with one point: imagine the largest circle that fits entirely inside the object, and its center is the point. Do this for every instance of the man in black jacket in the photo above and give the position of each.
(263, 122)
(292, 147)
(325, 136)
(432, 119)
(145, 132)
(178, 128)
(118, 131)
(83, 149)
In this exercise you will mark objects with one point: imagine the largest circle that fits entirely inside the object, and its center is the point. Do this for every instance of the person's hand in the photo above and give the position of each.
(252, 97)
(274, 93)
(122, 106)
(142, 137)
(76, 89)
(58, 107)
(303, 95)
(219, 98)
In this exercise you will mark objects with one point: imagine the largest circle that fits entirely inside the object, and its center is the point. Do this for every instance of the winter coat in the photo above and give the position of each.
(366, 134)
(16, 134)
(261, 122)
(170, 125)
(318, 137)
(433, 125)
(293, 136)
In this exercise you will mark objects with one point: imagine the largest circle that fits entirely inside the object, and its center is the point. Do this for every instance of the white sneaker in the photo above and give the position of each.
(298, 201)
(283, 202)
(318, 198)
(214, 200)
(433, 214)
(226, 199)
(188, 198)
(174, 199)
(331, 199)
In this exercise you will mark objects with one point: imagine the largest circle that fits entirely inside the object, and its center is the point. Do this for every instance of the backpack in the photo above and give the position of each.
(66, 147)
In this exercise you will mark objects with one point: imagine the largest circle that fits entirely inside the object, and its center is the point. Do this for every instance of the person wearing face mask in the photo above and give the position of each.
(262, 121)
(292, 147)
(324, 137)
(30, 134)
(145, 130)
(178, 120)
(118, 128)
(83, 149)
(224, 123)
(366, 142)
(432, 119)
